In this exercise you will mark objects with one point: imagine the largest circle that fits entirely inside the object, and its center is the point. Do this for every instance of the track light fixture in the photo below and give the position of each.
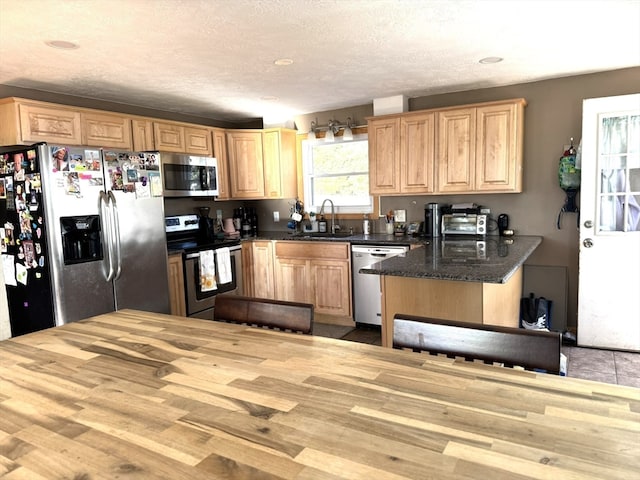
(331, 129)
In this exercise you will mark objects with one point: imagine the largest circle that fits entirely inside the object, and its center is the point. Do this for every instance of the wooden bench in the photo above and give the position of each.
(529, 349)
(263, 312)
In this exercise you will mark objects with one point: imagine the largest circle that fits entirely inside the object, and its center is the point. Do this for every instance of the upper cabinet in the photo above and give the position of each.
(384, 156)
(246, 165)
(479, 149)
(142, 135)
(103, 129)
(220, 152)
(28, 122)
(401, 151)
(279, 156)
(262, 163)
(175, 137)
(470, 149)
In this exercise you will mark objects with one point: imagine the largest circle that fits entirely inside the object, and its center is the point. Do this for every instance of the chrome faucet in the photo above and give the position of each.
(333, 214)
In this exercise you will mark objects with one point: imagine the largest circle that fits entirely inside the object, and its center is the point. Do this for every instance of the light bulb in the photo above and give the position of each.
(311, 135)
(329, 136)
(348, 134)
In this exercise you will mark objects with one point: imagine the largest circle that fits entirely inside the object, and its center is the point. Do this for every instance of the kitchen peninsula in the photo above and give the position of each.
(466, 280)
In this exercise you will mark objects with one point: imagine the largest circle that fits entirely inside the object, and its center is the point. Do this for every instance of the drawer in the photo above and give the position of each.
(313, 250)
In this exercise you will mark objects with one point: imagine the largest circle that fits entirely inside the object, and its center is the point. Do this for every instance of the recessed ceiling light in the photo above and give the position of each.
(269, 98)
(283, 62)
(62, 44)
(491, 60)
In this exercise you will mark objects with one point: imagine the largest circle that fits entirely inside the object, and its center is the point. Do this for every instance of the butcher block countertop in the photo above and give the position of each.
(133, 395)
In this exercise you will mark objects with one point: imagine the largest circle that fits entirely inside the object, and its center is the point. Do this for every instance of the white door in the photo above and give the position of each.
(609, 277)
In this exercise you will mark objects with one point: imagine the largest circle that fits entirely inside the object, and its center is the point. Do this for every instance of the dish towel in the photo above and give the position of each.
(223, 263)
(207, 271)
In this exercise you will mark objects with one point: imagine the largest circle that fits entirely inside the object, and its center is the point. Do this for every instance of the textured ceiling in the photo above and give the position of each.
(215, 58)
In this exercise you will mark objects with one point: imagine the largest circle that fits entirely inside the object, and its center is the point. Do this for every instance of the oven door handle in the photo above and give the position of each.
(233, 248)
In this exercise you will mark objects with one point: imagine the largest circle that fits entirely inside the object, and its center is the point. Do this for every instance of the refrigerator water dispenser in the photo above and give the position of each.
(81, 239)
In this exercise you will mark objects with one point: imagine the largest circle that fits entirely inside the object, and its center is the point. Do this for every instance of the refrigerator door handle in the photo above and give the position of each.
(116, 232)
(103, 206)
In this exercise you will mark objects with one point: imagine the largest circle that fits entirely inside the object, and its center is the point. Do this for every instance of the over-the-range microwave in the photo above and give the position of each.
(189, 176)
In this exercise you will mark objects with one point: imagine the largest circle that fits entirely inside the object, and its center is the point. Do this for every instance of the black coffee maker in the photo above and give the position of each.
(206, 228)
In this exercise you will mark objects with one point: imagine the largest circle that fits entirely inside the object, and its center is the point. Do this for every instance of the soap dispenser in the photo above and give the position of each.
(322, 225)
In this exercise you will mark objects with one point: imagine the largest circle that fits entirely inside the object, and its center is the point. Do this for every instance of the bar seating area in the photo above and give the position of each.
(509, 347)
(281, 315)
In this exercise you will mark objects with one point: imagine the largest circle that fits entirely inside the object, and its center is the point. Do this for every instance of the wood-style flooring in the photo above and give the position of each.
(607, 366)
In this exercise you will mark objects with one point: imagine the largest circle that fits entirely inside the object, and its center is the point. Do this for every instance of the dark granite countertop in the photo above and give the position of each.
(359, 239)
(493, 261)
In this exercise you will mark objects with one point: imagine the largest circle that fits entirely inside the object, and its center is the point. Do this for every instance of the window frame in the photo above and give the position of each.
(303, 182)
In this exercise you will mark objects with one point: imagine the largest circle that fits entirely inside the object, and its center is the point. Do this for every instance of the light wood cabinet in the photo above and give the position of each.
(28, 122)
(260, 278)
(106, 130)
(169, 137)
(470, 149)
(384, 156)
(176, 286)
(499, 148)
(456, 150)
(315, 272)
(142, 132)
(280, 172)
(246, 167)
(417, 151)
(262, 163)
(198, 141)
(220, 152)
(401, 154)
(479, 149)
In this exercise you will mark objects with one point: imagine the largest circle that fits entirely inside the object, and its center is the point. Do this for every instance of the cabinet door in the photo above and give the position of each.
(176, 286)
(169, 137)
(142, 131)
(456, 150)
(104, 130)
(46, 124)
(417, 150)
(498, 164)
(331, 285)
(384, 156)
(292, 279)
(220, 152)
(280, 169)
(263, 277)
(198, 141)
(246, 169)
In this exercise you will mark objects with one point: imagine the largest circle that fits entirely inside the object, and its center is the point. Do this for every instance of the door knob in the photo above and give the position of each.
(588, 224)
(587, 242)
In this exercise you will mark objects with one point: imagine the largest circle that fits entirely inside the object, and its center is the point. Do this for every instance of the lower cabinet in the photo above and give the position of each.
(314, 272)
(257, 255)
(176, 286)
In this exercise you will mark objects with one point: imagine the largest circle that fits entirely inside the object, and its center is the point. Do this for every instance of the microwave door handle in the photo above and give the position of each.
(204, 178)
(116, 233)
(103, 202)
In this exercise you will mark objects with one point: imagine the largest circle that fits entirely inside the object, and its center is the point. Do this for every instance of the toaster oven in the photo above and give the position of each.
(464, 224)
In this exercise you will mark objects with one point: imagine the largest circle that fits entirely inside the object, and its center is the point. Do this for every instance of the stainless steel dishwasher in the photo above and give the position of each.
(367, 297)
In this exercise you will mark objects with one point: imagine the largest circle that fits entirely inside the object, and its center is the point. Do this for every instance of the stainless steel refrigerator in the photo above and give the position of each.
(81, 233)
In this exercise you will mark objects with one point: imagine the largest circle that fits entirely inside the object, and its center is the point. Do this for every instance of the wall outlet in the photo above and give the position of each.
(219, 215)
(276, 216)
(485, 211)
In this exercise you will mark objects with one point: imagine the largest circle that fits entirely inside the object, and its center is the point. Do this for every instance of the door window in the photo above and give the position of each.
(619, 166)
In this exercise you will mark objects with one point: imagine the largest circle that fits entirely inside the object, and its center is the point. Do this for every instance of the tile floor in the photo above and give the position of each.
(605, 366)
